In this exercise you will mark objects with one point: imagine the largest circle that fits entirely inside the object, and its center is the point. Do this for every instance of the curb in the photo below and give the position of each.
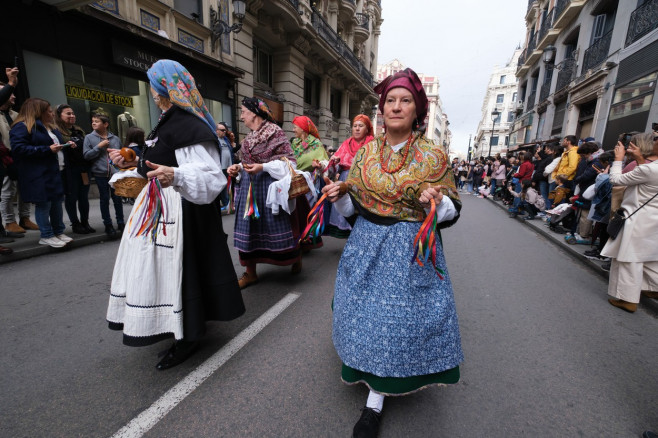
(35, 250)
(650, 305)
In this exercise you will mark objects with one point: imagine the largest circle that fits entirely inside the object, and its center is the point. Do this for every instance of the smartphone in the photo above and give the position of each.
(597, 168)
(16, 61)
(625, 139)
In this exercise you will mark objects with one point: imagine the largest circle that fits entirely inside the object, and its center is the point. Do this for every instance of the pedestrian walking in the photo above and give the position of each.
(395, 324)
(168, 283)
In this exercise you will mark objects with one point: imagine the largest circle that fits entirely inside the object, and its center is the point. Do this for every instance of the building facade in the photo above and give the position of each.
(314, 58)
(589, 69)
(436, 122)
(498, 111)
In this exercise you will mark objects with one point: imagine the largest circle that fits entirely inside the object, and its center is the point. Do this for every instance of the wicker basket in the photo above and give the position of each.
(129, 187)
(298, 184)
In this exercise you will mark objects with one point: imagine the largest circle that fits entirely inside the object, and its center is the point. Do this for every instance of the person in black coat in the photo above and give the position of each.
(37, 153)
(543, 157)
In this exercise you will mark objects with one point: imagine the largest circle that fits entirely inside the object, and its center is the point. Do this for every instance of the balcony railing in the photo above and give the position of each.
(546, 25)
(560, 7)
(531, 99)
(531, 45)
(331, 37)
(544, 92)
(521, 59)
(362, 20)
(643, 20)
(567, 73)
(597, 52)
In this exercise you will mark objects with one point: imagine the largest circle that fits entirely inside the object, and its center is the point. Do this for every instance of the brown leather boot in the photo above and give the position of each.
(26, 223)
(247, 280)
(13, 227)
(624, 305)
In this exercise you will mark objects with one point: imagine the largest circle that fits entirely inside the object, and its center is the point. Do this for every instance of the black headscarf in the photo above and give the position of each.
(258, 107)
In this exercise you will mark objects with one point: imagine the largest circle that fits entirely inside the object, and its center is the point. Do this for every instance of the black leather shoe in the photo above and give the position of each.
(78, 228)
(110, 231)
(5, 239)
(121, 227)
(11, 235)
(368, 424)
(179, 352)
(88, 227)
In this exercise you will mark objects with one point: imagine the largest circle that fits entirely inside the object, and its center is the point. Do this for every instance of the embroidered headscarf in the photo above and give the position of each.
(306, 125)
(258, 107)
(409, 80)
(170, 78)
(349, 148)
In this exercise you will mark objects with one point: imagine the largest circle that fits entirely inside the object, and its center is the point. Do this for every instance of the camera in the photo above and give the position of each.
(625, 139)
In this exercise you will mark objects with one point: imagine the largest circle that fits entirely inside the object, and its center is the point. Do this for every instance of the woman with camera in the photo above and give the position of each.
(634, 252)
(76, 171)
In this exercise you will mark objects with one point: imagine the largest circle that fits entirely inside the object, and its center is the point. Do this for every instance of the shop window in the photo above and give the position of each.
(634, 97)
(262, 66)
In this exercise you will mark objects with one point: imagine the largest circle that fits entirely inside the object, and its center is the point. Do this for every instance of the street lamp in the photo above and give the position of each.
(219, 27)
(494, 115)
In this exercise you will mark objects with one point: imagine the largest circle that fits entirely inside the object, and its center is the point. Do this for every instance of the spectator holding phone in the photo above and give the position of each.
(96, 145)
(37, 152)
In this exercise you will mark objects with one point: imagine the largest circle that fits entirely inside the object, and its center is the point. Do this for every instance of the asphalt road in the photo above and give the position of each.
(545, 354)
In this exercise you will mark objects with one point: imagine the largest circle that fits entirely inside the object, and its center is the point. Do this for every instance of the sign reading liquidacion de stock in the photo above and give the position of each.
(83, 93)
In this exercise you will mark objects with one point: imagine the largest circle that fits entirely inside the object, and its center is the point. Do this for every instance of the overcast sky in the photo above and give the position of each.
(458, 41)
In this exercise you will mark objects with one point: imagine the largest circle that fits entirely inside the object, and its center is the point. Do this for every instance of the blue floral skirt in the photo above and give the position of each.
(394, 324)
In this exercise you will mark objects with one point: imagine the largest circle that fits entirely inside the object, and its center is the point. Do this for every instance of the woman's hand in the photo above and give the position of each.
(56, 148)
(620, 152)
(72, 143)
(118, 160)
(431, 193)
(164, 174)
(233, 170)
(334, 190)
(253, 169)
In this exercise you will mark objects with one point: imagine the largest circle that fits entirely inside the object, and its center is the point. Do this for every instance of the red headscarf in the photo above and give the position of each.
(349, 148)
(409, 80)
(306, 125)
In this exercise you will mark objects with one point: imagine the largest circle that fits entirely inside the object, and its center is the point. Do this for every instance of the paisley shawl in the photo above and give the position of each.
(396, 195)
(265, 144)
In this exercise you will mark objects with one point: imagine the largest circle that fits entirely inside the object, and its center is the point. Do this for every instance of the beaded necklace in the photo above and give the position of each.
(404, 158)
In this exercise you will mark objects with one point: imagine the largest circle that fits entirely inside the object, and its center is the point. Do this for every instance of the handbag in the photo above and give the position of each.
(618, 220)
(298, 185)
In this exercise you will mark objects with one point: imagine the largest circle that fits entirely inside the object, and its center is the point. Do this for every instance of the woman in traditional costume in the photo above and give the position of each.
(306, 145)
(174, 271)
(395, 324)
(261, 236)
(362, 133)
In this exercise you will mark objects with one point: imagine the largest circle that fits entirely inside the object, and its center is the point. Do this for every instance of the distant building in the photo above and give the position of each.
(436, 121)
(498, 110)
(588, 68)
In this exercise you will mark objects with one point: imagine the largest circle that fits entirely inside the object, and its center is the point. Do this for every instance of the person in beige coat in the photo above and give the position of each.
(634, 252)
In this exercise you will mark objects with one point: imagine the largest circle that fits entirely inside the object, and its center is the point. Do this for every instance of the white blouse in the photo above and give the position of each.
(199, 177)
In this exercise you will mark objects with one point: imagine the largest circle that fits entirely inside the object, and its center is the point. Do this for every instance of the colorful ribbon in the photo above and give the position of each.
(151, 216)
(425, 242)
(229, 187)
(314, 222)
(251, 208)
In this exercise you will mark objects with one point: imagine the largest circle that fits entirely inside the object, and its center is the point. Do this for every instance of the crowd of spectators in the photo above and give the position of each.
(568, 184)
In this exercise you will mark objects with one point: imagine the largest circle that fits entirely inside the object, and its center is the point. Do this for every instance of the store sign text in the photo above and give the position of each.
(98, 96)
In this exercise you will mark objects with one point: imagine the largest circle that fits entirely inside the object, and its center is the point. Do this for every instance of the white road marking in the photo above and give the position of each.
(142, 423)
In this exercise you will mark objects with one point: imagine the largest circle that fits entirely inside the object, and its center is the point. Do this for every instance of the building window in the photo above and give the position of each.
(262, 66)
(633, 98)
(335, 103)
(514, 97)
(500, 98)
(502, 80)
(494, 140)
(510, 117)
(191, 8)
(498, 118)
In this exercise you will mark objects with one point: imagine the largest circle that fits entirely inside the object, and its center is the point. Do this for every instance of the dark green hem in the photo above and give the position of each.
(399, 385)
(335, 232)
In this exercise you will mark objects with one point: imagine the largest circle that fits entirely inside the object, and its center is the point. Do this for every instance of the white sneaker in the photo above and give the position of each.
(53, 242)
(64, 238)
